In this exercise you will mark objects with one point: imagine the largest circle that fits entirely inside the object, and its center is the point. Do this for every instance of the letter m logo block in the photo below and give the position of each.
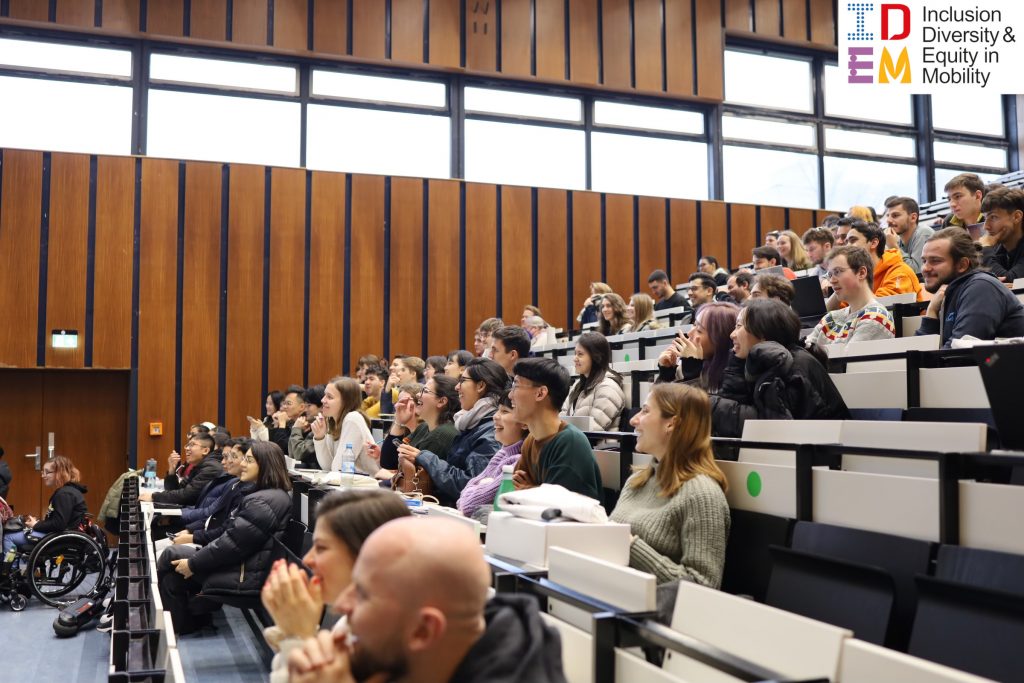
(900, 72)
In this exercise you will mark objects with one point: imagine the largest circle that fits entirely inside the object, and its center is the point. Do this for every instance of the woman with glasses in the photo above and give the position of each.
(66, 510)
(850, 272)
(221, 495)
(701, 355)
(238, 560)
(598, 392)
(479, 387)
(477, 498)
(406, 422)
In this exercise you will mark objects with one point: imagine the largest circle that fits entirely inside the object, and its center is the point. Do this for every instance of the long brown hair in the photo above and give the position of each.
(689, 447)
(351, 399)
(608, 328)
(64, 471)
(353, 514)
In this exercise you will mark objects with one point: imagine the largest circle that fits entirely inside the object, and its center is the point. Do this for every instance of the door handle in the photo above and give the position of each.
(37, 455)
(49, 449)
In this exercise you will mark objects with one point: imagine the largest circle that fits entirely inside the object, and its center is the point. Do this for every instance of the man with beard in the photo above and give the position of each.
(416, 614)
(967, 301)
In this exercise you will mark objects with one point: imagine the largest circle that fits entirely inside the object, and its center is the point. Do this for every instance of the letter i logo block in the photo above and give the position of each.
(861, 9)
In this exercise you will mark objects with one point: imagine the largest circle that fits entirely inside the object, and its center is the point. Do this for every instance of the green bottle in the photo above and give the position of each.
(506, 484)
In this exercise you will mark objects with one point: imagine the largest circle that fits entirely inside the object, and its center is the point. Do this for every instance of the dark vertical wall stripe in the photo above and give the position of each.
(600, 49)
(781, 19)
(700, 230)
(693, 43)
(757, 227)
(222, 348)
(97, 14)
(632, 44)
(307, 258)
(186, 18)
(179, 304)
(787, 218)
(387, 55)
(310, 14)
(807, 19)
(664, 47)
(143, 25)
(636, 244)
(426, 32)
(346, 324)
(44, 258)
(604, 234)
(497, 34)
(348, 50)
(668, 238)
(133, 400)
(728, 236)
(753, 16)
(535, 257)
(270, 22)
(52, 17)
(1, 181)
(498, 257)
(90, 262)
(265, 361)
(425, 281)
(387, 265)
(462, 37)
(229, 21)
(5, 8)
(533, 37)
(568, 48)
(569, 274)
(462, 258)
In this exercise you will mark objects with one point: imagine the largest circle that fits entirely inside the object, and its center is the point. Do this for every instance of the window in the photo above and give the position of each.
(223, 73)
(521, 154)
(762, 176)
(768, 81)
(511, 103)
(761, 130)
(851, 182)
(76, 59)
(970, 155)
(365, 88)
(869, 143)
(981, 113)
(621, 115)
(632, 164)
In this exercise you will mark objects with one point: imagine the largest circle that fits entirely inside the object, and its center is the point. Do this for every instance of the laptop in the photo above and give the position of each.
(1001, 368)
(808, 301)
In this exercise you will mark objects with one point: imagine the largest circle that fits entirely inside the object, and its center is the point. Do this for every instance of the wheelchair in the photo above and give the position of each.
(59, 569)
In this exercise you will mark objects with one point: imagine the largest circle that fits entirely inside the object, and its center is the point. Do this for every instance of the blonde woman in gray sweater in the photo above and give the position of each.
(676, 506)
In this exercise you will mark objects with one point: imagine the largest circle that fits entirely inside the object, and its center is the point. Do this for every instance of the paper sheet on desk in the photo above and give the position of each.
(531, 504)
(969, 342)
(359, 481)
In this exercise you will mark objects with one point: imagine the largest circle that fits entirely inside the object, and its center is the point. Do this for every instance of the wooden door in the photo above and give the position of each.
(21, 414)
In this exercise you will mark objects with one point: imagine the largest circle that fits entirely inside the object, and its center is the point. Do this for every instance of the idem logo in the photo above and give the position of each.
(894, 20)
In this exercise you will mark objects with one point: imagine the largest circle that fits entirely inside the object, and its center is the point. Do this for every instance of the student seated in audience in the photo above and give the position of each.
(863, 213)
(509, 344)
(965, 192)
(222, 492)
(407, 421)
(340, 423)
(434, 365)
(864, 319)
(374, 379)
(273, 404)
(5, 475)
(590, 312)
(482, 382)
(457, 362)
(598, 393)
(436, 407)
(300, 441)
(555, 452)
(540, 333)
(529, 312)
(768, 257)
(709, 266)
(204, 531)
(739, 285)
(767, 286)
(703, 353)
(485, 331)
(1004, 214)
(966, 301)
(404, 370)
(779, 379)
(66, 509)
(366, 362)
(640, 313)
(903, 231)
(890, 274)
(791, 249)
(702, 290)
(203, 466)
(404, 628)
(477, 499)
(817, 243)
(843, 226)
(237, 561)
(676, 506)
(771, 238)
(613, 316)
(295, 600)
(292, 407)
(663, 293)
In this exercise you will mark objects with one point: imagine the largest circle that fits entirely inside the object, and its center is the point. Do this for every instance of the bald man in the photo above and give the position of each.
(419, 614)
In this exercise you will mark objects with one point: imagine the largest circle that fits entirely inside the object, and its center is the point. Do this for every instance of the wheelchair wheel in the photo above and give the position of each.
(64, 567)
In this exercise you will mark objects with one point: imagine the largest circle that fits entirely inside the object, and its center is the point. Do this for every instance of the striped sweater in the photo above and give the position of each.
(844, 326)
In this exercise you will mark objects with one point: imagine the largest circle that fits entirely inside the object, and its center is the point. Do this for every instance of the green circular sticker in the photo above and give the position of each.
(754, 484)
(627, 357)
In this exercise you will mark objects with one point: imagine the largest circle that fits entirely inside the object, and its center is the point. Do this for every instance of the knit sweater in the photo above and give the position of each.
(844, 326)
(482, 489)
(682, 537)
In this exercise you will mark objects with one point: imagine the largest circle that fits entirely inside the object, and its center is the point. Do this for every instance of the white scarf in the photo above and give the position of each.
(466, 420)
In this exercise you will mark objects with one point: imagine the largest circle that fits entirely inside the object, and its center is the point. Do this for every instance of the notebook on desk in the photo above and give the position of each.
(808, 301)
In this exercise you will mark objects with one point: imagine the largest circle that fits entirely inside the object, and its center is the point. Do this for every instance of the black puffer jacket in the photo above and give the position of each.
(239, 560)
(776, 384)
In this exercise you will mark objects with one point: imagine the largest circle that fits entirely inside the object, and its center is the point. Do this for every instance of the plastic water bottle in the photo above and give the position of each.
(348, 466)
(507, 484)
(149, 475)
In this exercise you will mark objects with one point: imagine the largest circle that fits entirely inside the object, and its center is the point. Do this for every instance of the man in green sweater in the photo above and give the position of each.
(555, 452)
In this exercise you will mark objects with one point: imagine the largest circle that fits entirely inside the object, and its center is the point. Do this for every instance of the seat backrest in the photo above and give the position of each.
(866, 663)
(786, 431)
(992, 516)
(981, 568)
(906, 506)
(951, 437)
(875, 347)
(748, 562)
(885, 389)
(293, 537)
(770, 489)
(952, 388)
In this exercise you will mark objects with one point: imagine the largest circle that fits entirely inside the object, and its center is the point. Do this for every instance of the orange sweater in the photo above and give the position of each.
(893, 276)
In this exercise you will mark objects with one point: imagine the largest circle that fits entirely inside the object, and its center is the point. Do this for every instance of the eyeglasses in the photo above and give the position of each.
(516, 385)
(836, 272)
(45, 472)
(248, 459)
(462, 379)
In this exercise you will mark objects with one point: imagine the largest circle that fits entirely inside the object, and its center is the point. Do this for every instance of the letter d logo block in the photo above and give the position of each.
(905, 30)
(900, 72)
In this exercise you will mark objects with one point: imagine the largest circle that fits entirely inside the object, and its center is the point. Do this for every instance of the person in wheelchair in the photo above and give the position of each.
(67, 509)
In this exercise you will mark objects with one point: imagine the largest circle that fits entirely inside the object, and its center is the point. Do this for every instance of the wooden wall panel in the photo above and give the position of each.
(209, 20)
(29, 10)
(586, 247)
(772, 218)
(158, 264)
(121, 15)
(249, 22)
(67, 255)
(19, 256)
(679, 52)
(583, 47)
(652, 237)
(794, 20)
(683, 231)
(552, 274)
(481, 35)
(407, 31)
(737, 15)
(714, 234)
(445, 37)
(647, 23)
(200, 312)
(112, 283)
(767, 20)
(615, 48)
(406, 309)
(823, 29)
(76, 12)
(243, 375)
(368, 31)
(443, 297)
(550, 39)
(516, 250)
(618, 238)
(327, 277)
(710, 48)
(291, 23)
(801, 220)
(287, 275)
(743, 227)
(819, 216)
(516, 33)
(167, 17)
(330, 26)
(482, 252)
(366, 327)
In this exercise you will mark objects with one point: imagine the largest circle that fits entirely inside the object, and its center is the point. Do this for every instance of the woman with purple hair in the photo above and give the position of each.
(701, 355)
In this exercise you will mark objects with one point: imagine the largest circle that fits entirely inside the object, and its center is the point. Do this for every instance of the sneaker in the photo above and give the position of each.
(106, 624)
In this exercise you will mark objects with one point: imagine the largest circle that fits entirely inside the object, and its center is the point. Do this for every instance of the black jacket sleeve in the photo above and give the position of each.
(998, 264)
(59, 518)
(5, 479)
(204, 472)
(247, 533)
(279, 435)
